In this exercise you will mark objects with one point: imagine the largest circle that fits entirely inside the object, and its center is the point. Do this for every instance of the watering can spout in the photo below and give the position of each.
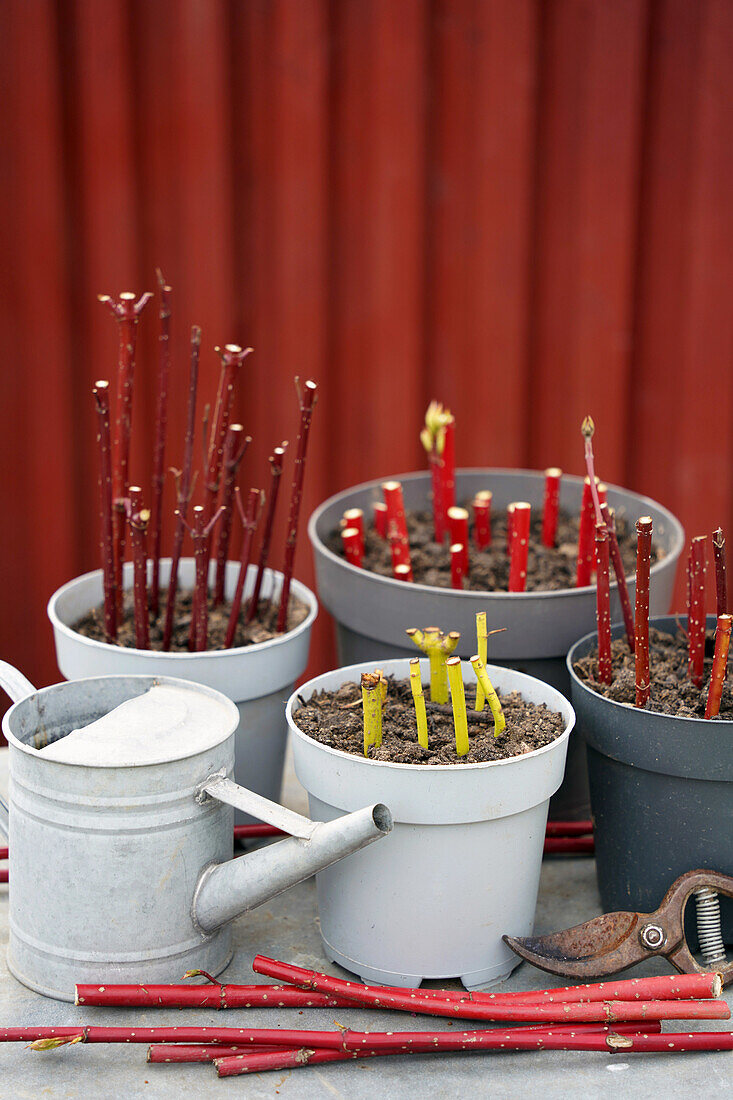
(228, 889)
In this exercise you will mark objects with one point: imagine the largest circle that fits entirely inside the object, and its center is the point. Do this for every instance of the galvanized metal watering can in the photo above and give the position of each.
(125, 873)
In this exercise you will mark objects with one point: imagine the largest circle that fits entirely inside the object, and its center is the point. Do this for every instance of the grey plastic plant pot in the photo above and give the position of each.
(661, 792)
(258, 678)
(372, 612)
(461, 866)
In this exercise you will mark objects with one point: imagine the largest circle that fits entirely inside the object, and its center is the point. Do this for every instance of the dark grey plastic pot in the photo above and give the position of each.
(661, 792)
(372, 612)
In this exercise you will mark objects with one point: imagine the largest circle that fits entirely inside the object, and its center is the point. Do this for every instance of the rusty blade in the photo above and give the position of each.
(601, 946)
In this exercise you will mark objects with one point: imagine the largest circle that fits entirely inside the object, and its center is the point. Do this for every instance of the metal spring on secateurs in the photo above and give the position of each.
(709, 929)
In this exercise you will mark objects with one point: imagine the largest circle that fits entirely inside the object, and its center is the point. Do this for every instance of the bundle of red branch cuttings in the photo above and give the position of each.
(637, 628)
(451, 522)
(123, 511)
(615, 1017)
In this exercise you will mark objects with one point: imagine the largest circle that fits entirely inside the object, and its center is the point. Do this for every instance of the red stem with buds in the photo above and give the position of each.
(307, 401)
(184, 487)
(618, 568)
(232, 357)
(126, 311)
(551, 507)
(587, 429)
(179, 1052)
(138, 518)
(403, 573)
(721, 582)
(420, 1002)
(161, 430)
(104, 442)
(353, 548)
(660, 988)
(200, 533)
(249, 520)
(235, 446)
(204, 996)
(417, 1042)
(641, 616)
(458, 529)
(354, 518)
(482, 520)
(276, 469)
(696, 611)
(603, 605)
(380, 519)
(586, 549)
(458, 559)
(501, 1041)
(519, 546)
(720, 665)
(396, 523)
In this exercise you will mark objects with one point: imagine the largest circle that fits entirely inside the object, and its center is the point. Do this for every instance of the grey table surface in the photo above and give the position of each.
(287, 928)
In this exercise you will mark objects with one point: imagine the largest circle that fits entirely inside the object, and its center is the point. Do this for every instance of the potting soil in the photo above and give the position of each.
(549, 569)
(672, 692)
(261, 629)
(335, 718)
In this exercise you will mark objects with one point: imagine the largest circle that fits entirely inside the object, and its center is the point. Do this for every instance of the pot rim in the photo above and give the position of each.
(625, 707)
(674, 551)
(175, 681)
(297, 587)
(440, 769)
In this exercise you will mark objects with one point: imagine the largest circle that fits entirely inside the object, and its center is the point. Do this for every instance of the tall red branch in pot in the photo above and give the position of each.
(184, 487)
(720, 665)
(126, 311)
(586, 542)
(200, 533)
(641, 618)
(138, 518)
(249, 519)
(603, 606)
(721, 580)
(232, 357)
(307, 400)
(161, 429)
(618, 568)
(696, 611)
(276, 469)
(235, 446)
(104, 442)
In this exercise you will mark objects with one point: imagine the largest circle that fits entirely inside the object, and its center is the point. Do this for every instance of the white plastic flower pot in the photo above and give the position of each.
(371, 612)
(461, 866)
(258, 678)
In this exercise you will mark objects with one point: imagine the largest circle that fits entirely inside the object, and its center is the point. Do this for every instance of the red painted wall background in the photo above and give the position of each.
(523, 209)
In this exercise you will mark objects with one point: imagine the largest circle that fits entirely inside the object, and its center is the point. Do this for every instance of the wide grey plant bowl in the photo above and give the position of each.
(661, 792)
(371, 612)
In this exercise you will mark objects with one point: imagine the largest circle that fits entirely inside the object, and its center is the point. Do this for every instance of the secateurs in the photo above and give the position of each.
(616, 941)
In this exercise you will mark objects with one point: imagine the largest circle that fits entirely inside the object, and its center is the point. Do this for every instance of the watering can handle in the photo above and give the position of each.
(14, 683)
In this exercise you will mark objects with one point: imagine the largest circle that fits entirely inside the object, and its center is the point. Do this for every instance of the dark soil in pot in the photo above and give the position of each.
(261, 629)
(671, 690)
(335, 719)
(548, 569)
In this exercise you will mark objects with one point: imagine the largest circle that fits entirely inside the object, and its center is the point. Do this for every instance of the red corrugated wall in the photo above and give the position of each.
(523, 209)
